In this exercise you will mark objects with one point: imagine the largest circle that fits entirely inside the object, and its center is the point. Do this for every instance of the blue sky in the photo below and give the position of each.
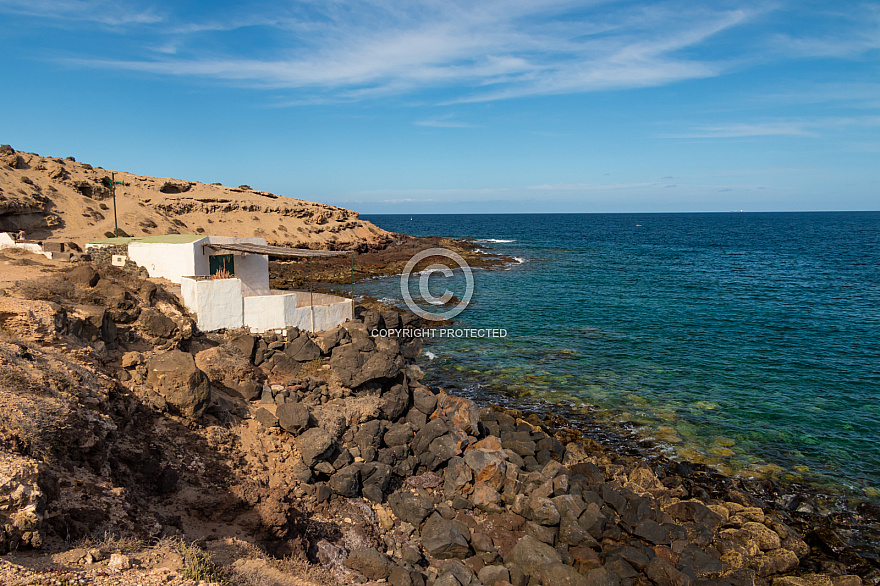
(411, 106)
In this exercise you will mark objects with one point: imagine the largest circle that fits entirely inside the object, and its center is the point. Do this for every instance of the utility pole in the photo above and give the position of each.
(113, 191)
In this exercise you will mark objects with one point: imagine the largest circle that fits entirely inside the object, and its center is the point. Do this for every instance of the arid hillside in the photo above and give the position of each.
(62, 200)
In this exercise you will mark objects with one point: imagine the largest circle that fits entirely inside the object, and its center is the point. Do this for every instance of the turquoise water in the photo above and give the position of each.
(748, 341)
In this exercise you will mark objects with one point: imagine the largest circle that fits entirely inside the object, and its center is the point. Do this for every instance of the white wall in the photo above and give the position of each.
(170, 261)
(217, 303)
(7, 241)
(279, 310)
(252, 269)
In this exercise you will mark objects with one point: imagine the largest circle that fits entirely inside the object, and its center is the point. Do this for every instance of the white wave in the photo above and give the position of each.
(430, 355)
(495, 240)
(387, 301)
(519, 259)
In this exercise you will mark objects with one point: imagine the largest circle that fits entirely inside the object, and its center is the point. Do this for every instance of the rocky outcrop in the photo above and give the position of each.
(175, 377)
(340, 455)
(65, 200)
(22, 503)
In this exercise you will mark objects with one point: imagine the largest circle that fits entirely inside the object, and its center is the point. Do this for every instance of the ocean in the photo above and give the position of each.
(746, 341)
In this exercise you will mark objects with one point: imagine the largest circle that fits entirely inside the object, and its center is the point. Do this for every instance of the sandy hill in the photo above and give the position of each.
(63, 200)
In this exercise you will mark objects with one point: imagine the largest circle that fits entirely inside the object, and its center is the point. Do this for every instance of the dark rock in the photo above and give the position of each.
(652, 532)
(302, 349)
(174, 376)
(620, 568)
(424, 400)
(391, 319)
(558, 574)
(443, 540)
(395, 402)
(662, 573)
(400, 577)
(588, 470)
(542, 510)
(301, 471)
(543, 534)
(346, 363)
(344, 458)
(522, 449)
(385, 363)
(462, 570)
(601, 577)
(244, 344)
(410, 507)
(530, 554)
(701, 564)
(429, 432)
(346, 481)
(441, 450)
(322, 492)
(94, 323)
(370, 562)
(265, 418)
(614, 498)
(156, 324)
(314, 444)
(635, 557)
(369, 435)
(518, 576)
(696, 512)
(572, 532)
(328, 340)
(399, 434)
(459, 502)
(372, 320)
(293, 417)
(491, 575)
(376, 474)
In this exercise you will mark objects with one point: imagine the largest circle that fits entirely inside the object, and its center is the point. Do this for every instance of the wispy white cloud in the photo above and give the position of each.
(587, 186)
(347, 50)
(105, 12)
(490, 50)
(444, 121)
(806, 128)
(738, 130)
(399, 194)
(850, 30)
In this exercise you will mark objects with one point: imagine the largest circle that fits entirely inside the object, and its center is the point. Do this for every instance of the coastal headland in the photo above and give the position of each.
(135, 449)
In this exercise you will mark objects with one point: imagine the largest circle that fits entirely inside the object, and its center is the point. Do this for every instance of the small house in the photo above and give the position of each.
(224, 281)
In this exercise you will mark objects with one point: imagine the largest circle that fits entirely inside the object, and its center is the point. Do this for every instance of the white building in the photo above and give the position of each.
(243, 299)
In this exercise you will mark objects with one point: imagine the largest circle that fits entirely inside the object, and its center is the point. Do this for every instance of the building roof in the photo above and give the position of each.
(275, 250)
(158, 239)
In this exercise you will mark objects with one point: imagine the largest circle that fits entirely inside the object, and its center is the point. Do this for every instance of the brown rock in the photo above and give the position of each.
(463, 412)
(662, 573)
(777, 561)
(175, 377)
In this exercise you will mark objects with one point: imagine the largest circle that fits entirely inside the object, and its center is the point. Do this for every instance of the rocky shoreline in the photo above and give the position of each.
(329, 452)
(375, 263)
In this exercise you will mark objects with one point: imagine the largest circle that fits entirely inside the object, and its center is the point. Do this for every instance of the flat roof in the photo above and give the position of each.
(159, 239)
(275, 250)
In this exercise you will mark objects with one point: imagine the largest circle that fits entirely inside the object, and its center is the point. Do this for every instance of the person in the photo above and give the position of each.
(21, 234)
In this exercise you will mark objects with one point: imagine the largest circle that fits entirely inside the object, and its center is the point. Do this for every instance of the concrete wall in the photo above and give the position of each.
(175, 261)
(170, 261)
(217, 303)
(7, 241)
(284, 309)
(252, 269)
